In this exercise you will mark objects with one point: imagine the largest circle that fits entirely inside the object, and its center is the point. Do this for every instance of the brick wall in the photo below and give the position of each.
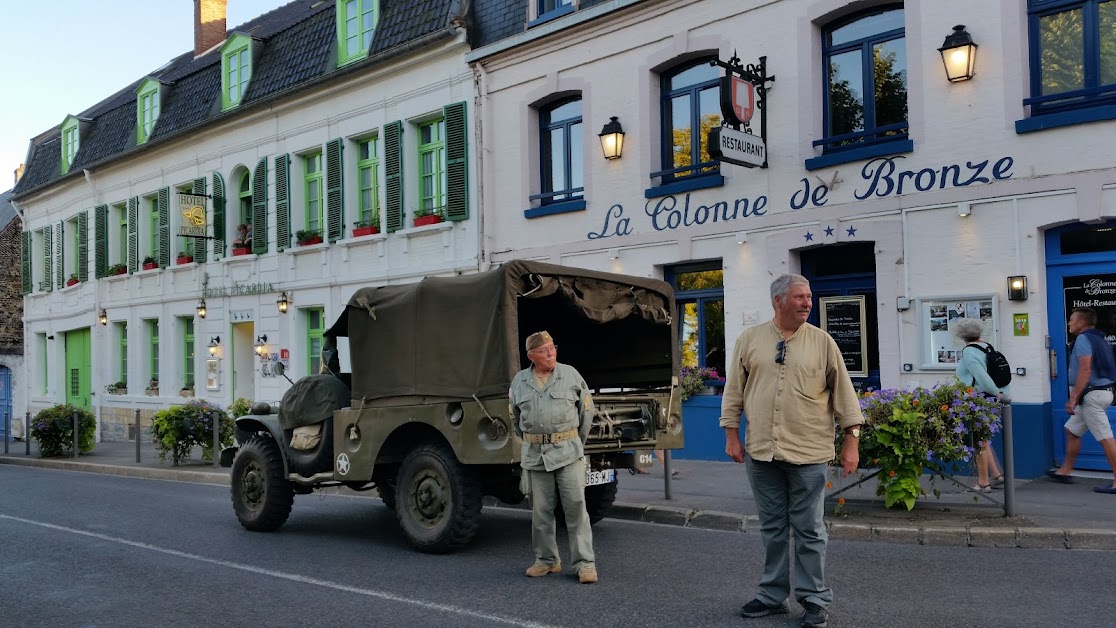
(11, 294)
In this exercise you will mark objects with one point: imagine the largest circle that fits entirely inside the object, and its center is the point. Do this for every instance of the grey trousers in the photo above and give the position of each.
(789, 498)
(569, 481)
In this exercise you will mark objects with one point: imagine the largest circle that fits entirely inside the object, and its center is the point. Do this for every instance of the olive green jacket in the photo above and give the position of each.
(562, 404)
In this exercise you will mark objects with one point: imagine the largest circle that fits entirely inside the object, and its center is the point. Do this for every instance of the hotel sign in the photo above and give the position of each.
(192, 209)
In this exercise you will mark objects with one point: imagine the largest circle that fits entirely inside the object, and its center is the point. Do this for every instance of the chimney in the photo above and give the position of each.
(19, 173)
(209, 24)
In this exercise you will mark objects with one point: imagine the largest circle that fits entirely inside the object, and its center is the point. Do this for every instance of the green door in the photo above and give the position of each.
(79, 367)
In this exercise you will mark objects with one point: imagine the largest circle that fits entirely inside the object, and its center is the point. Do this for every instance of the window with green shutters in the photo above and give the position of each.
(100, 240)
(283, 202)
(46, 279)
(368, 178)
(164, 227)
(219, 226)
(334, 191)
(122, 360)
(356, 23)
(188, 352)
(147, 109)
(259, 208)
(71, 142)
(75, 243)
(432, 168)
(244, 197)
(119, 245)
(312, 175)
(153, 338)
(315, 327)
(236, 69)
(81, 248)
(457, 161)
(152, 227)
(185, 245)
(393, 176)
(25, 260)
(133, 234)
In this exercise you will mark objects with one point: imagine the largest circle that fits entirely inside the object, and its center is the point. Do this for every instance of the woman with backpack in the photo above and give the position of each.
(972, 369)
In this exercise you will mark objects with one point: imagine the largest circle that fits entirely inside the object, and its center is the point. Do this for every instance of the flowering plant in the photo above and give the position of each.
(908, 431)
(693, 379)
(179, 429)
(53, 430)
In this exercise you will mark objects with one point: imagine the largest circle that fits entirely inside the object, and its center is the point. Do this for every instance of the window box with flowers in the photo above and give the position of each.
(116, 269)
(366, 227)
(425, 217)
(149, 263)
(184, 259)
(306, 237)
(699, 380)
(72, 280)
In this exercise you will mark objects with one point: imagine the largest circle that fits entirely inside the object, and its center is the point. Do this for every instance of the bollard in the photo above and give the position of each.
(666, 474)
(27, 434)
(137, 436)
(76, 420)
(1009, 461)
(7, 431)
(217, 441)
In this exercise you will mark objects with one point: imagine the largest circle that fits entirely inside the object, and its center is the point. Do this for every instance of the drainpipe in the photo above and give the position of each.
(481, 81)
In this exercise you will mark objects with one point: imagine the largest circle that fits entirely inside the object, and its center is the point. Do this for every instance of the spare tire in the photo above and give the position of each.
(312, 400)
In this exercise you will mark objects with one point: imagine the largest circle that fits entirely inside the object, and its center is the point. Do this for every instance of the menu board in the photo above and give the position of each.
(939, 317)
(843, 319)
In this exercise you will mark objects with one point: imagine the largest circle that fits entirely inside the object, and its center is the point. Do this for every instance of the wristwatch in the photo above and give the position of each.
(853, 431)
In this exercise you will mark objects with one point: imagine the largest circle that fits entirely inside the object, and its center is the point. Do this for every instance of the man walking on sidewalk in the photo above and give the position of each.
(789, 379)
(1092, 371)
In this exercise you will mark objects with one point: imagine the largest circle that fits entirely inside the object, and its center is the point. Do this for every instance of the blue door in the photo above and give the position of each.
(5, 399)
(1081, 272)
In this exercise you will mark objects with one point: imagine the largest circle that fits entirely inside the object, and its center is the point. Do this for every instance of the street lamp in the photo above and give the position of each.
(959, 55)
(282, 302)
(612, 139)
(201, 308)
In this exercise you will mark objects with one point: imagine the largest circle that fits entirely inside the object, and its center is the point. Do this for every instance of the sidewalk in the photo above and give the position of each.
(716, 495)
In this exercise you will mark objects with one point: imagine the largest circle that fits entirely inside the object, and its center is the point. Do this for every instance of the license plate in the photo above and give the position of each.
(603, 476)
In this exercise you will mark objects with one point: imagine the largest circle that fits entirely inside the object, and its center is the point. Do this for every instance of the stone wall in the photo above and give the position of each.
(11, 293)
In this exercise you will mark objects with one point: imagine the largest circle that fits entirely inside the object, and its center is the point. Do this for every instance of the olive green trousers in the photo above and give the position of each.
(546, 487)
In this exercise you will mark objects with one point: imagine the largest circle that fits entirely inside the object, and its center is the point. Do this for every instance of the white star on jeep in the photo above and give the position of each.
(343, 464)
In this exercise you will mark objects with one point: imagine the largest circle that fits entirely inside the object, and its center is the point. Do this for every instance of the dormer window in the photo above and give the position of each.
(236, 69)
(356, 22)
(71, 142)
(148, 99)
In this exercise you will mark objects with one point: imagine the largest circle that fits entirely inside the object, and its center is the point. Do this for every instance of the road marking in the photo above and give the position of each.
(382, 595)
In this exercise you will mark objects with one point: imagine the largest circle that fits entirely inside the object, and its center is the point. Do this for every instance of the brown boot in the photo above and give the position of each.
(539, 570)
(587, 575)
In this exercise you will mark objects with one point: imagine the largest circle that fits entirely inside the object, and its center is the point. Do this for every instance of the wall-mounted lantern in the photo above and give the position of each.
(1017, 288)
(612, 139)
(959, 55)
(214, 344)
(261, 344)
(282, 302)
(102, 318)
(201, 308)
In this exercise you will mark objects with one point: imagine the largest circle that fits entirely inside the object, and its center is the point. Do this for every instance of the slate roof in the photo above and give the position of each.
(298, 50)
(7, 212)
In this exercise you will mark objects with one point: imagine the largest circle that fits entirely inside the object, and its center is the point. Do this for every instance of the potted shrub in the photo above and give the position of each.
(179, 429)
(152, 387)
(116, 269)
(184, 259)
(72, 280)
(427, 217)
(366, 227)
(149, 263)
(306, 237)
(53, 430)
(119, 388)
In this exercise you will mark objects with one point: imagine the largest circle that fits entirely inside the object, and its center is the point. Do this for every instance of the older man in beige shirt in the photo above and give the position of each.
(790, 381)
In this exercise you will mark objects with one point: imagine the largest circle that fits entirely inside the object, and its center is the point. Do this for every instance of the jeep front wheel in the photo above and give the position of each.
(438, 500)
(262, 497)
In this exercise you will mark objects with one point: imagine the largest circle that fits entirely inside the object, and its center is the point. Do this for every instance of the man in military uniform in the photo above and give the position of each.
(553, 413)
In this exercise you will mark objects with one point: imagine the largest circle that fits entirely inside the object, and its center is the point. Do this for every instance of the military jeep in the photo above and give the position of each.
(423, 416)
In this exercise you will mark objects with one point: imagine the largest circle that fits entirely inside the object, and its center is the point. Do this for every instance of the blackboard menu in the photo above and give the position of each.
(843, 319)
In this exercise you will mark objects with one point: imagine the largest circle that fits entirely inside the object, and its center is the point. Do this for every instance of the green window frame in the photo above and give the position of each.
(315, 329)
(153, 337)
(153, 225)
(185, 244)
(147, 109)
(368, 178)
(236, 70)
(188, 352)
(75, 259)
(244, 194)
(356, 24)
(432, 167)
(315, 207)
(123, 329)
(71, 143)
(122, 242)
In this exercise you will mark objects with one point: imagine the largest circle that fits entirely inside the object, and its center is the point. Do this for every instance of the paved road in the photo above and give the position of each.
(96, 550)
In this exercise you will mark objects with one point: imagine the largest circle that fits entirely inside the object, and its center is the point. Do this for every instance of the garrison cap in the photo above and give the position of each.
(538, 339)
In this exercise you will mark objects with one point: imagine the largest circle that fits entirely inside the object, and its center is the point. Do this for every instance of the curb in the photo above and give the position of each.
(944, 536)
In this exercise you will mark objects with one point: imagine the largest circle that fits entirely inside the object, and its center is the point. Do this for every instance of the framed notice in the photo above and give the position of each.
(843, 319)
(938, 319)
(212, 374)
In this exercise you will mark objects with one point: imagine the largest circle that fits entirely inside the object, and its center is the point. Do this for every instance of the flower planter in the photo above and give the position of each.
(184, 259)
(431, 219)
(364, 231)
(150, 265)
(309, 241)
(71, 282)
(240, 251)
(120, 271)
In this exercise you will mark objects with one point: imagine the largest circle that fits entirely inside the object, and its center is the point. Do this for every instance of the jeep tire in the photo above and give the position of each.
(438, 500)
(261, 495)
(309, 462)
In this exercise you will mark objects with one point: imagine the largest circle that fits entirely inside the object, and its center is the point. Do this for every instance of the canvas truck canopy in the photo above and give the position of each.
(463, 336)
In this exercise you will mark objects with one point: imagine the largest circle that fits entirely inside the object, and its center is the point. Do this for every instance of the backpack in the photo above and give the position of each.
(1104, 355)
(996, 365)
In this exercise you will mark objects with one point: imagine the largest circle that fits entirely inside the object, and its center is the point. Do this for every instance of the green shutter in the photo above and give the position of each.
(164, 227)
(25, 257)
(133, 234)
(219, 226)
(201, 245)
(48, 259)
(457, 162)
(283, 202)
(100, 235)
(83, 246)
(59, 265)
(393, 176)
(259, 207)
(335, 204)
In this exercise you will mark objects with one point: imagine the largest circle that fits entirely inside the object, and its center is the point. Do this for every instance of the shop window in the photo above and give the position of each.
(560, 153)
(315, 327)
(356, 23)
(1073, 63)
(864, 61)
(699, 291)
(690, 107)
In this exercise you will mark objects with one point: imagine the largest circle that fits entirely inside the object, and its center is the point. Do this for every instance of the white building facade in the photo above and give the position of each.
(907, 199)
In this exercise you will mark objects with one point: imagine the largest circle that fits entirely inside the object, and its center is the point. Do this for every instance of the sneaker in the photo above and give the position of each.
(815, 616)
(539, 570)
(756, 608)
(587, 575)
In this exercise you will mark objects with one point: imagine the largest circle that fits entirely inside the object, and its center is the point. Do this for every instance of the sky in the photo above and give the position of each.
(53, 67)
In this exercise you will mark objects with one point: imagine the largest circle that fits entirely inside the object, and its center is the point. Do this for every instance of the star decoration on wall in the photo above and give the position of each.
(852, 231)
(809, 237)
(829, 232)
